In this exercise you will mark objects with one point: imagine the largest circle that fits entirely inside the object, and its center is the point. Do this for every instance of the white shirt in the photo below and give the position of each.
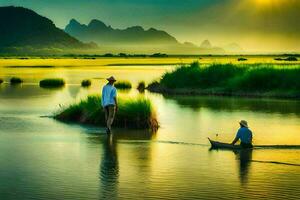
(109, 92)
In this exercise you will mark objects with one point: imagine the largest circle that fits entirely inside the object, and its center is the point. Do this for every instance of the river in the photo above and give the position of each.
(41, 158)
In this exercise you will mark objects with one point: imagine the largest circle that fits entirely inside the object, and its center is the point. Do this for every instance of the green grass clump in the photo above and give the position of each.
(230, 78)
(242, 59)
(123, 85)
(266, 79)
(132, 113)
(290, 58)
(86, 83)
(141, 86)
(194, 76)
(52, 83)
(15, 80)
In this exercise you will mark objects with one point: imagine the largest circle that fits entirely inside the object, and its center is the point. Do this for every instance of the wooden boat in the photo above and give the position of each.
(221, 145)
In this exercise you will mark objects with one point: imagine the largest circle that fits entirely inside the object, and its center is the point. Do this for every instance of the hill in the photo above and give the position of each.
(24, 29)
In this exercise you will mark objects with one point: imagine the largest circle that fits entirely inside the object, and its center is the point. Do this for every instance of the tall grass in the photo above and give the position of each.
(132, 113)
(141, 86)
(234, 78)
(52, 83)
(86, 83)
(123, 85)
(200, 77)
(290, 58)
(242, 59)
(15, 80)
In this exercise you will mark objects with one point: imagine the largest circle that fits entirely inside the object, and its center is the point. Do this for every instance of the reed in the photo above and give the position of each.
(123, 85)
(86, 83)
(141, 86)
(15, 80)
(132, 113)
(52, 83)
(233, 79)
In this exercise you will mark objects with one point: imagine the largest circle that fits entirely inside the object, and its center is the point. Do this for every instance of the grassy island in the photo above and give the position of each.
(86, 83)
(257, 80)
(141, 86)
(16, 80)
(132, 113)
(123, 85)
(52, 83)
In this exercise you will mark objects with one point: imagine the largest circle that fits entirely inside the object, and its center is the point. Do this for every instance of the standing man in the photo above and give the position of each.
(109, 102)
(244, 134)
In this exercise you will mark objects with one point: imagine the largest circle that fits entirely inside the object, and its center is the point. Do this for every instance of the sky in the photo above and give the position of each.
(256, 25)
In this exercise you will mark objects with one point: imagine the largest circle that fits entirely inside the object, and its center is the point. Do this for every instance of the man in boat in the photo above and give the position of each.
(109, 102)
(244, 134)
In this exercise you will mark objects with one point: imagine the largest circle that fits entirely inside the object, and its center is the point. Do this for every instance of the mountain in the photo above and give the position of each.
(233, 48)
(189, 44)
(105, 35)
(206, 44)
(208, 48)
(230, 48)
(24, 28)
(135, 39)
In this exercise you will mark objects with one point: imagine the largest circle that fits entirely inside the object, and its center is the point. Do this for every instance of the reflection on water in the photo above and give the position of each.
(109, 169)
(41, 158)
(208, 116)
(244, 157)
(232, 104)
(74, 91)
(24, 91)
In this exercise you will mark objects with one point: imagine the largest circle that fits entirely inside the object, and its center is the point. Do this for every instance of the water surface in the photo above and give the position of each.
(41, 158)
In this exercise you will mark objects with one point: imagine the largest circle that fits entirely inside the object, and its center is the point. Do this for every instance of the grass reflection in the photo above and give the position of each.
(232, 104)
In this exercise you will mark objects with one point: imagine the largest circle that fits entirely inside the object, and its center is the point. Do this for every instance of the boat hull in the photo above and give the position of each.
(221, 145)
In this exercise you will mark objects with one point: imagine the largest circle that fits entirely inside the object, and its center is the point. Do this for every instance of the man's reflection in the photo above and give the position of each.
(244, 156)
(109, 168)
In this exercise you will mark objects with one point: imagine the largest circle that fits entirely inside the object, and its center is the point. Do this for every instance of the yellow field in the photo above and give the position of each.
(70, 62)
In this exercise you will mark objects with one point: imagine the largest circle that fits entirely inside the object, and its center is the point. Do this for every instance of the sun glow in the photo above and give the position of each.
(270, 2)
(264, 1)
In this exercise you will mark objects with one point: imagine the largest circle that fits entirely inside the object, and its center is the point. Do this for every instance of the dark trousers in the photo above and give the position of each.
(109, 115)
(246, 145)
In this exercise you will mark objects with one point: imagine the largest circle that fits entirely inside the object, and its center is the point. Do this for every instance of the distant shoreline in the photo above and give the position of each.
(144, 64)
(109, 55)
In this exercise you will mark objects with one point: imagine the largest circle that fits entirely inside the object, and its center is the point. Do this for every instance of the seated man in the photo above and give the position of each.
(244, 134)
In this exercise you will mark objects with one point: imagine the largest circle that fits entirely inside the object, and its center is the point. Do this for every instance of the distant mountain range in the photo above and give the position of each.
(135, 39)
(99, 32)
(233, 48)
(230, 48)
(21, 28)
(206, 44)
